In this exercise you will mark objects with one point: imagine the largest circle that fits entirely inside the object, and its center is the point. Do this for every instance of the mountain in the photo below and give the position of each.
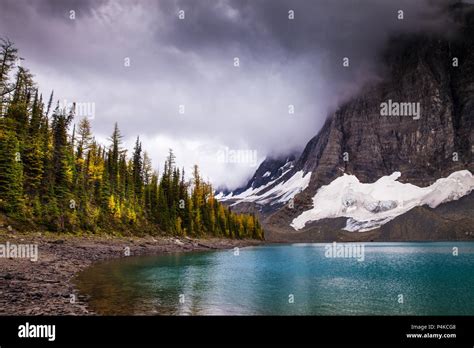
(397, 157)
(269, 170)
(263, 194)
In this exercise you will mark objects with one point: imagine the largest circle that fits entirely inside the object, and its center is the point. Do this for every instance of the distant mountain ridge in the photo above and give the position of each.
(270, 169)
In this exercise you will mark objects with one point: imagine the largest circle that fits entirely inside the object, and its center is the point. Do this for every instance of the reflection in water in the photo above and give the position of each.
(261, 280)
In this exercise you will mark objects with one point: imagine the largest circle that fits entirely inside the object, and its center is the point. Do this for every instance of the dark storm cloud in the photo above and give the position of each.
(323, 30)
(56, 8)
(190, 62)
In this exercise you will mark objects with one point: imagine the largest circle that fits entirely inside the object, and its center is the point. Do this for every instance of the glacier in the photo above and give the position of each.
(370, 205)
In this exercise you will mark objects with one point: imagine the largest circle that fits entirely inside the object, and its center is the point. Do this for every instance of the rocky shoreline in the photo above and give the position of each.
(45, 286)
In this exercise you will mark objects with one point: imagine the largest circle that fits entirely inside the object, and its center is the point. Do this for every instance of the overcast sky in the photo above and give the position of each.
(190, 62)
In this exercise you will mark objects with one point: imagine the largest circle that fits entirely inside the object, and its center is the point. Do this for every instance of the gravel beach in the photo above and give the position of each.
(45, 286)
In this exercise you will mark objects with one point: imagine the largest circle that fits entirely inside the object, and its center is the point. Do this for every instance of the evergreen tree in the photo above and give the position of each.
(11, 176)
(114, 155)
(8, 58)
(137, 169)
(60, 157)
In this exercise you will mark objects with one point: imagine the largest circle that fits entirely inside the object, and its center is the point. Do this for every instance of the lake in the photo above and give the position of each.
(291, 279)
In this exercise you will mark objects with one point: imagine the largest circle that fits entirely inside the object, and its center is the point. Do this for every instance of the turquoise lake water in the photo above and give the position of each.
(296, 279)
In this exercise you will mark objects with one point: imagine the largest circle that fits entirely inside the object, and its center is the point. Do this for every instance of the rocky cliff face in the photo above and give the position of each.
(359, 139)
(269, 170)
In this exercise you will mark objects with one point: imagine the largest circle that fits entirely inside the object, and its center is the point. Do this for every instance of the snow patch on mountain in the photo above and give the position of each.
(368, 206)
(219, 195)
(280, 193)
